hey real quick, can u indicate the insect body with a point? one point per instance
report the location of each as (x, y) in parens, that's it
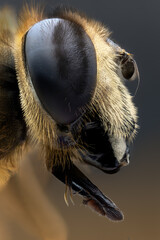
(61, 90)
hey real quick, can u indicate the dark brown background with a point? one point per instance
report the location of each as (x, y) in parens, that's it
(135, 189)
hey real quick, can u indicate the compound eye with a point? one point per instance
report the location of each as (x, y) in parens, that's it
(61, 62)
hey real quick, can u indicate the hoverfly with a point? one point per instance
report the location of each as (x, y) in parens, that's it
(62, 90)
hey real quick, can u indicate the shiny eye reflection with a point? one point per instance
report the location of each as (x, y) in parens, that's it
(63, 86)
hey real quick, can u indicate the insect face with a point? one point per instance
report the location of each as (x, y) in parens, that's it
(75, 103)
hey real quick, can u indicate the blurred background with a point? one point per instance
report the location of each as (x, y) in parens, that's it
(135, 25)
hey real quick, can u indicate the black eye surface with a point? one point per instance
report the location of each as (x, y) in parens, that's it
(61, 61)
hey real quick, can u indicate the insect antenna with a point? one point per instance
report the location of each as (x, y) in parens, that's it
(138, 79)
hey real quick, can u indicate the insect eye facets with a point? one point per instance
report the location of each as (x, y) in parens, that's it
(62, 66)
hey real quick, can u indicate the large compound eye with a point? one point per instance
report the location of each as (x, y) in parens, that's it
(61, 62)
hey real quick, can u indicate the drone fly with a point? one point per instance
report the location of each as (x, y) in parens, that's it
(62, 90)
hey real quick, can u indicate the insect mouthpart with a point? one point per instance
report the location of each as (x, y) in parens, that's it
(96, 148)
(99, 149)
(92, 196)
